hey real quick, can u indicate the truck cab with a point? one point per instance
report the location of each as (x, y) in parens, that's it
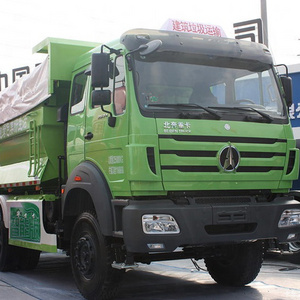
(168, 145)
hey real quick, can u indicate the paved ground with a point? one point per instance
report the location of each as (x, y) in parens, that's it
(52, 280)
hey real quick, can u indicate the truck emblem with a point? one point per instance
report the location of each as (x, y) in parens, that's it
(227, 126)
(229, 158)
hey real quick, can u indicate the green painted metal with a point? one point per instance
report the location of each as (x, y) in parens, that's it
(120, 152)
(39, 247)
(34, 149)
(33, 141)
(63, 55)
(31, 144)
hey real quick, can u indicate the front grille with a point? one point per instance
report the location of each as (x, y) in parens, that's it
(201, 154)
(216, 169)
(222, 139)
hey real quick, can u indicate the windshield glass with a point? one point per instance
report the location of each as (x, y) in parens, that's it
(171, 81)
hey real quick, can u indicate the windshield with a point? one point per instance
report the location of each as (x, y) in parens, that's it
(231, 89)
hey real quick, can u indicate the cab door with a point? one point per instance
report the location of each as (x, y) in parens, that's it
(105, 145)
(77, 119)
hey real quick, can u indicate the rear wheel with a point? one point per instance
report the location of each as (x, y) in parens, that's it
(91, 258)
(28, 258)
(8, 260)
(239, 265)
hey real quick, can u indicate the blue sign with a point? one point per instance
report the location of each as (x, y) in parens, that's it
(295, 108)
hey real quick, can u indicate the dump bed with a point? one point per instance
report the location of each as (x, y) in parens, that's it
(31, 139)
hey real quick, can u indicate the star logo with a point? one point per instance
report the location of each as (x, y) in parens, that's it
(229, 158)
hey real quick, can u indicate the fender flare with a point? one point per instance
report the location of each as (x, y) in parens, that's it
(94, 183)
(3, 206)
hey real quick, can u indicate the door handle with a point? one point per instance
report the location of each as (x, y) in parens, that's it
(89, 136)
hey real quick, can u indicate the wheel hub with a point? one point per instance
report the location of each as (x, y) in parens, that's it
(84, 256)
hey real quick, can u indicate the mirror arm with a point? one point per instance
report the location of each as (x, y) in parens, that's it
(111, 50)
(144, 49)
(286, 69)
(129, 61)
(128, 55)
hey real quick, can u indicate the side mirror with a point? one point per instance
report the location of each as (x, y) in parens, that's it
(101, 97)
(150, 47)
(288, 91)
(100, 70)
(144, 50)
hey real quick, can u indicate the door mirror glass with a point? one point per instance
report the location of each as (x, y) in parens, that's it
(100, 69)
(101, 97)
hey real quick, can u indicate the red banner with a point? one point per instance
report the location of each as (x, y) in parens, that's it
(193, 27)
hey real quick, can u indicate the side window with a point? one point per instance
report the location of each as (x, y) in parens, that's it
(78, 93)
(119, 94)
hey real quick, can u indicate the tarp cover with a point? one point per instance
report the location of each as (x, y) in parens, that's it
(25, 93)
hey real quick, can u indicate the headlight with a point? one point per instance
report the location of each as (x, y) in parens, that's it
(289, 218)
(159, 224)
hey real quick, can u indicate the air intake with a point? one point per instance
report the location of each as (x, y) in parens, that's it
(291, 163)
(151, 159)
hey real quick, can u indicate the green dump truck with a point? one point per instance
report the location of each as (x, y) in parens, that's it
(159, 146)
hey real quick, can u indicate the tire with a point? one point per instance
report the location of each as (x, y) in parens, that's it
(8, 254)
(239, 265)
(91, 258)
(28, 258)
(294, 247)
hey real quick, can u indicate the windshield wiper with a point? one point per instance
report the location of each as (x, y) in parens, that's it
(264, 115)
(176, 105)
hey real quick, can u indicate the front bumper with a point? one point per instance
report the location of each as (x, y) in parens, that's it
(207, 224)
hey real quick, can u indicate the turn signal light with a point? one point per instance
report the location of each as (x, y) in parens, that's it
(77, 178)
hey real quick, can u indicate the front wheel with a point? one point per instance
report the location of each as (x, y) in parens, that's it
(91, 258)
(239, 265)
(294, 247)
